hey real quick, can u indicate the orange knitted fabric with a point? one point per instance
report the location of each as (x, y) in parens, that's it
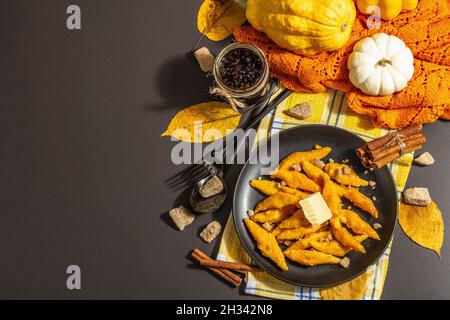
(426, 31)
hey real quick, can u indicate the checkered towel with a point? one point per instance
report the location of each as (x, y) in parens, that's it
(329, 108)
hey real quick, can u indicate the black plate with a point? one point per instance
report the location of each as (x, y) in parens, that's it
(344, 143)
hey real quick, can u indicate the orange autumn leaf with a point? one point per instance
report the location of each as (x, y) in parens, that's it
(423, 225)
(217, 18)
(204, 122)
(351, 290)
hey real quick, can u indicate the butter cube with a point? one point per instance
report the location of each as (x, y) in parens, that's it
(315, 209)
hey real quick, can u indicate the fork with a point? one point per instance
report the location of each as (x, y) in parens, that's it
(197, 172)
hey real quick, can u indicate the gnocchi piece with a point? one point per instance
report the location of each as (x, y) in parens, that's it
(277, 231)
(295, 221)
(343, 236)
(300, 194)
(314, 173)
(332, 195)
(267, 243)
(311, 257)
(337, 172)
(274, 215)
(298, 157)
(297, 180)
(305, 243)
(266, 187)
(361, 201)
(354, 222)
(277, 201)
(334, 247)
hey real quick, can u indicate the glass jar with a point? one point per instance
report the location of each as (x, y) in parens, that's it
(258, 89)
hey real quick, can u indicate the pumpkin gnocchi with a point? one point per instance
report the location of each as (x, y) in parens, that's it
(345, 175)
(297, 177)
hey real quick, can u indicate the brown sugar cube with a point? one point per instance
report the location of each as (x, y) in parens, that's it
(211, 187)
(346, 170)
(301, 111)
(205, 59)
(318, 163)
(268, 226)
(182, 217)
(377, 226)
(425, 159)
(345, 262)
(417, 196)
(211, 231)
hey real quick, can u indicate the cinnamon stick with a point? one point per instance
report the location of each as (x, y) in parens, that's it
(380, 142)
(361, 152)
(377, 153)
(230, 274)
(383, 147)
(384, 152)
(365, 162)
(382, 162)
(218, 272)
(229, 265)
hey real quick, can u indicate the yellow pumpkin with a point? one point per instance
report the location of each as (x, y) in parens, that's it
(386, 9)
(304, 26)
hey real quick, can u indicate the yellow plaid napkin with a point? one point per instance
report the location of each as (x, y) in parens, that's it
(329, 108)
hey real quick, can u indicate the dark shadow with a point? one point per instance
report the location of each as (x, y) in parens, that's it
(167, 220)
(181, 83)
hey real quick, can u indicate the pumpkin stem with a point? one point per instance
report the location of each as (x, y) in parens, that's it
(383, 62)
(344, 27)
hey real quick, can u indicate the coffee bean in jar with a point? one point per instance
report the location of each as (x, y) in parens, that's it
(240, 68)
(241, 74)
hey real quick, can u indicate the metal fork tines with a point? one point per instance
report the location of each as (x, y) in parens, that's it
(192, 174)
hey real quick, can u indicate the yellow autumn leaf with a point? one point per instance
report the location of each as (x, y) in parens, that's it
(204, 122)
(351, 290)
(217, 18)
(423, 225)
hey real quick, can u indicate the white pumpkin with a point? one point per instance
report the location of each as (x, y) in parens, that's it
(380, 65)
